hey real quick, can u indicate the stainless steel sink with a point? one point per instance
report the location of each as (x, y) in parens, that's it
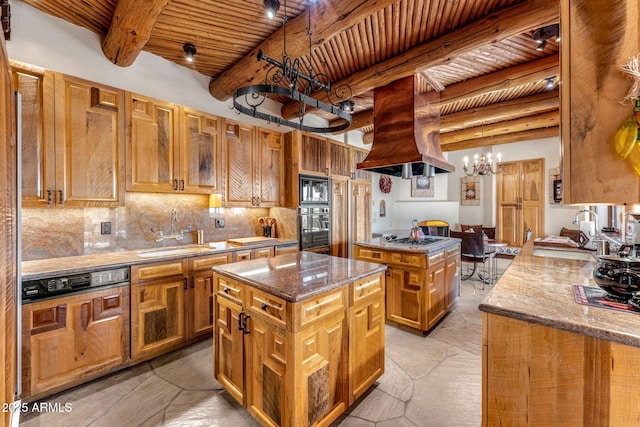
(563, 254)
(173, 251)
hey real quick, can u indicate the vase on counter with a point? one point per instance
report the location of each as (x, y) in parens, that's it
(266, 231)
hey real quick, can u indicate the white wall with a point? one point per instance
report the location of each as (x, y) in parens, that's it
(556, 215)
(42, 40)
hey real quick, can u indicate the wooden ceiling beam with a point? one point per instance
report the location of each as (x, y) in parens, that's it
(496, 26)
(507, 138)
(548, 119)
(330, 17)
(130, 30)
(521, 74)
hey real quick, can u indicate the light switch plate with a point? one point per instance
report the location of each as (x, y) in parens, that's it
(105, 228)
(219, 222)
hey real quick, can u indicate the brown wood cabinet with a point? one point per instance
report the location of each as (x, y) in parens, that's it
(537, 375)
(171, 148)
(340, 217)
(360, 207)
(73, 140)
(597, 37)
(253, 165)
(300, 363)
(357, 156)
(311, 154)
(171, 304)
(520, 200)
(420, 289)
(70, 340)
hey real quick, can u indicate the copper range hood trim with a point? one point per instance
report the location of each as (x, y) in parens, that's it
(397, 137)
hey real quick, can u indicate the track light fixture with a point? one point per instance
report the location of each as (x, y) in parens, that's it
(550, 82)
(271, 6)
(190, 51)
(542, 34)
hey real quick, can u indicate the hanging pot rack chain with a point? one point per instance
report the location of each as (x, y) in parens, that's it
(286, 79)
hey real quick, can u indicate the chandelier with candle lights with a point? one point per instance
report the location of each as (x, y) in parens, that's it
(482, 165)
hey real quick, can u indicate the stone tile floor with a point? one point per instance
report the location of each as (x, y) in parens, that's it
(430, 380)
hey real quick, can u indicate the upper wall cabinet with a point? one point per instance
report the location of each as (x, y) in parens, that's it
(597, 38)
(73, 140)
(357, 156)
(253, 163)
(171, 149)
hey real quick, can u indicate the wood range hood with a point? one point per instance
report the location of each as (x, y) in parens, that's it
(401, 143)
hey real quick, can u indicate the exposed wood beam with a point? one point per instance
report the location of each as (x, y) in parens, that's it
(522, 74)
(500, 111)
(507, 138)
(131, 27)
(497, 26)
(330, 17)
(548, 119)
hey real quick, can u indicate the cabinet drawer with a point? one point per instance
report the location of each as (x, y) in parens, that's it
(243, 255)
(403, 258)
(229, 289)
(154, 271)
(319, 307)
(363, 288)
(436, 258)
(267, 305)
(206, 262)
(263, 252)
(373, 255)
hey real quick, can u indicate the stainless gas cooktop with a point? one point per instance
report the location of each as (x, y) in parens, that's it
(425, 241)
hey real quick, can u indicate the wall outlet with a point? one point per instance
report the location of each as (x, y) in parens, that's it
(219, 222)
(105, 228)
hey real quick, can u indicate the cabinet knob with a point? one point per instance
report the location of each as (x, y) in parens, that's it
(61, 199)
(226, 290)
(264, 306)
(49, 197)
(175, 185)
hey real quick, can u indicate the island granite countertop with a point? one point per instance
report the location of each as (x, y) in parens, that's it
(382, 243)
(301, 275)
(540, 290)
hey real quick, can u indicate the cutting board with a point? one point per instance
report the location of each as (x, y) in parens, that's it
(248, 241)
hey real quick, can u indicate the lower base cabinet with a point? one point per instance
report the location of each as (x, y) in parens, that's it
(70, 340)
(298, 364)
(421, 288)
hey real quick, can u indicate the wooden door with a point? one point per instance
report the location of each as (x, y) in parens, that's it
(269, 171)
(199, 151)
(70, 338)
(90, 143)
(229, 347)
(520, 200)
(239, 163)
(157, 316)
(366, 335)
(8, 274)
(339, 218)
(405, 296)
(38, 139)
(360, 211)
(152, 152)
(436, 290)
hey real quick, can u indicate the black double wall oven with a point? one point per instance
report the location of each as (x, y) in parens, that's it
(314, 214)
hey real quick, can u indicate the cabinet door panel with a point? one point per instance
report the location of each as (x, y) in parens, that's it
(89, 143)
(339, 218)
(200, 139)
(270, 168)
(158, 314)
(452, 273)
(239, 158)
(201, 307)
(366, 344)
(313, 157)
(339, 156)
(405, 300)
(152, 153)
(436, 288)
(360, 211)
(229, 348)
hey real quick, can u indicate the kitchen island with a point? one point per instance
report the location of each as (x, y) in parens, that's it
(298, 338)
(548, 360)
(423, 280)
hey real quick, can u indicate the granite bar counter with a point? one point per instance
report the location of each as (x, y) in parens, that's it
(298, 338)
(548, 360)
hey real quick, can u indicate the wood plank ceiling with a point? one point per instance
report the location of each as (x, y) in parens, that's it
(479, 54)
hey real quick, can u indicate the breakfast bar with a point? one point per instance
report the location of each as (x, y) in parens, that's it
(549, 360)
(299, 337)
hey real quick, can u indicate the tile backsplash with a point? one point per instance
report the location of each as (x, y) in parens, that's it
(59, 232)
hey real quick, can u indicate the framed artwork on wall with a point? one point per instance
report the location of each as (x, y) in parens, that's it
(422, 186)
(470, 191)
